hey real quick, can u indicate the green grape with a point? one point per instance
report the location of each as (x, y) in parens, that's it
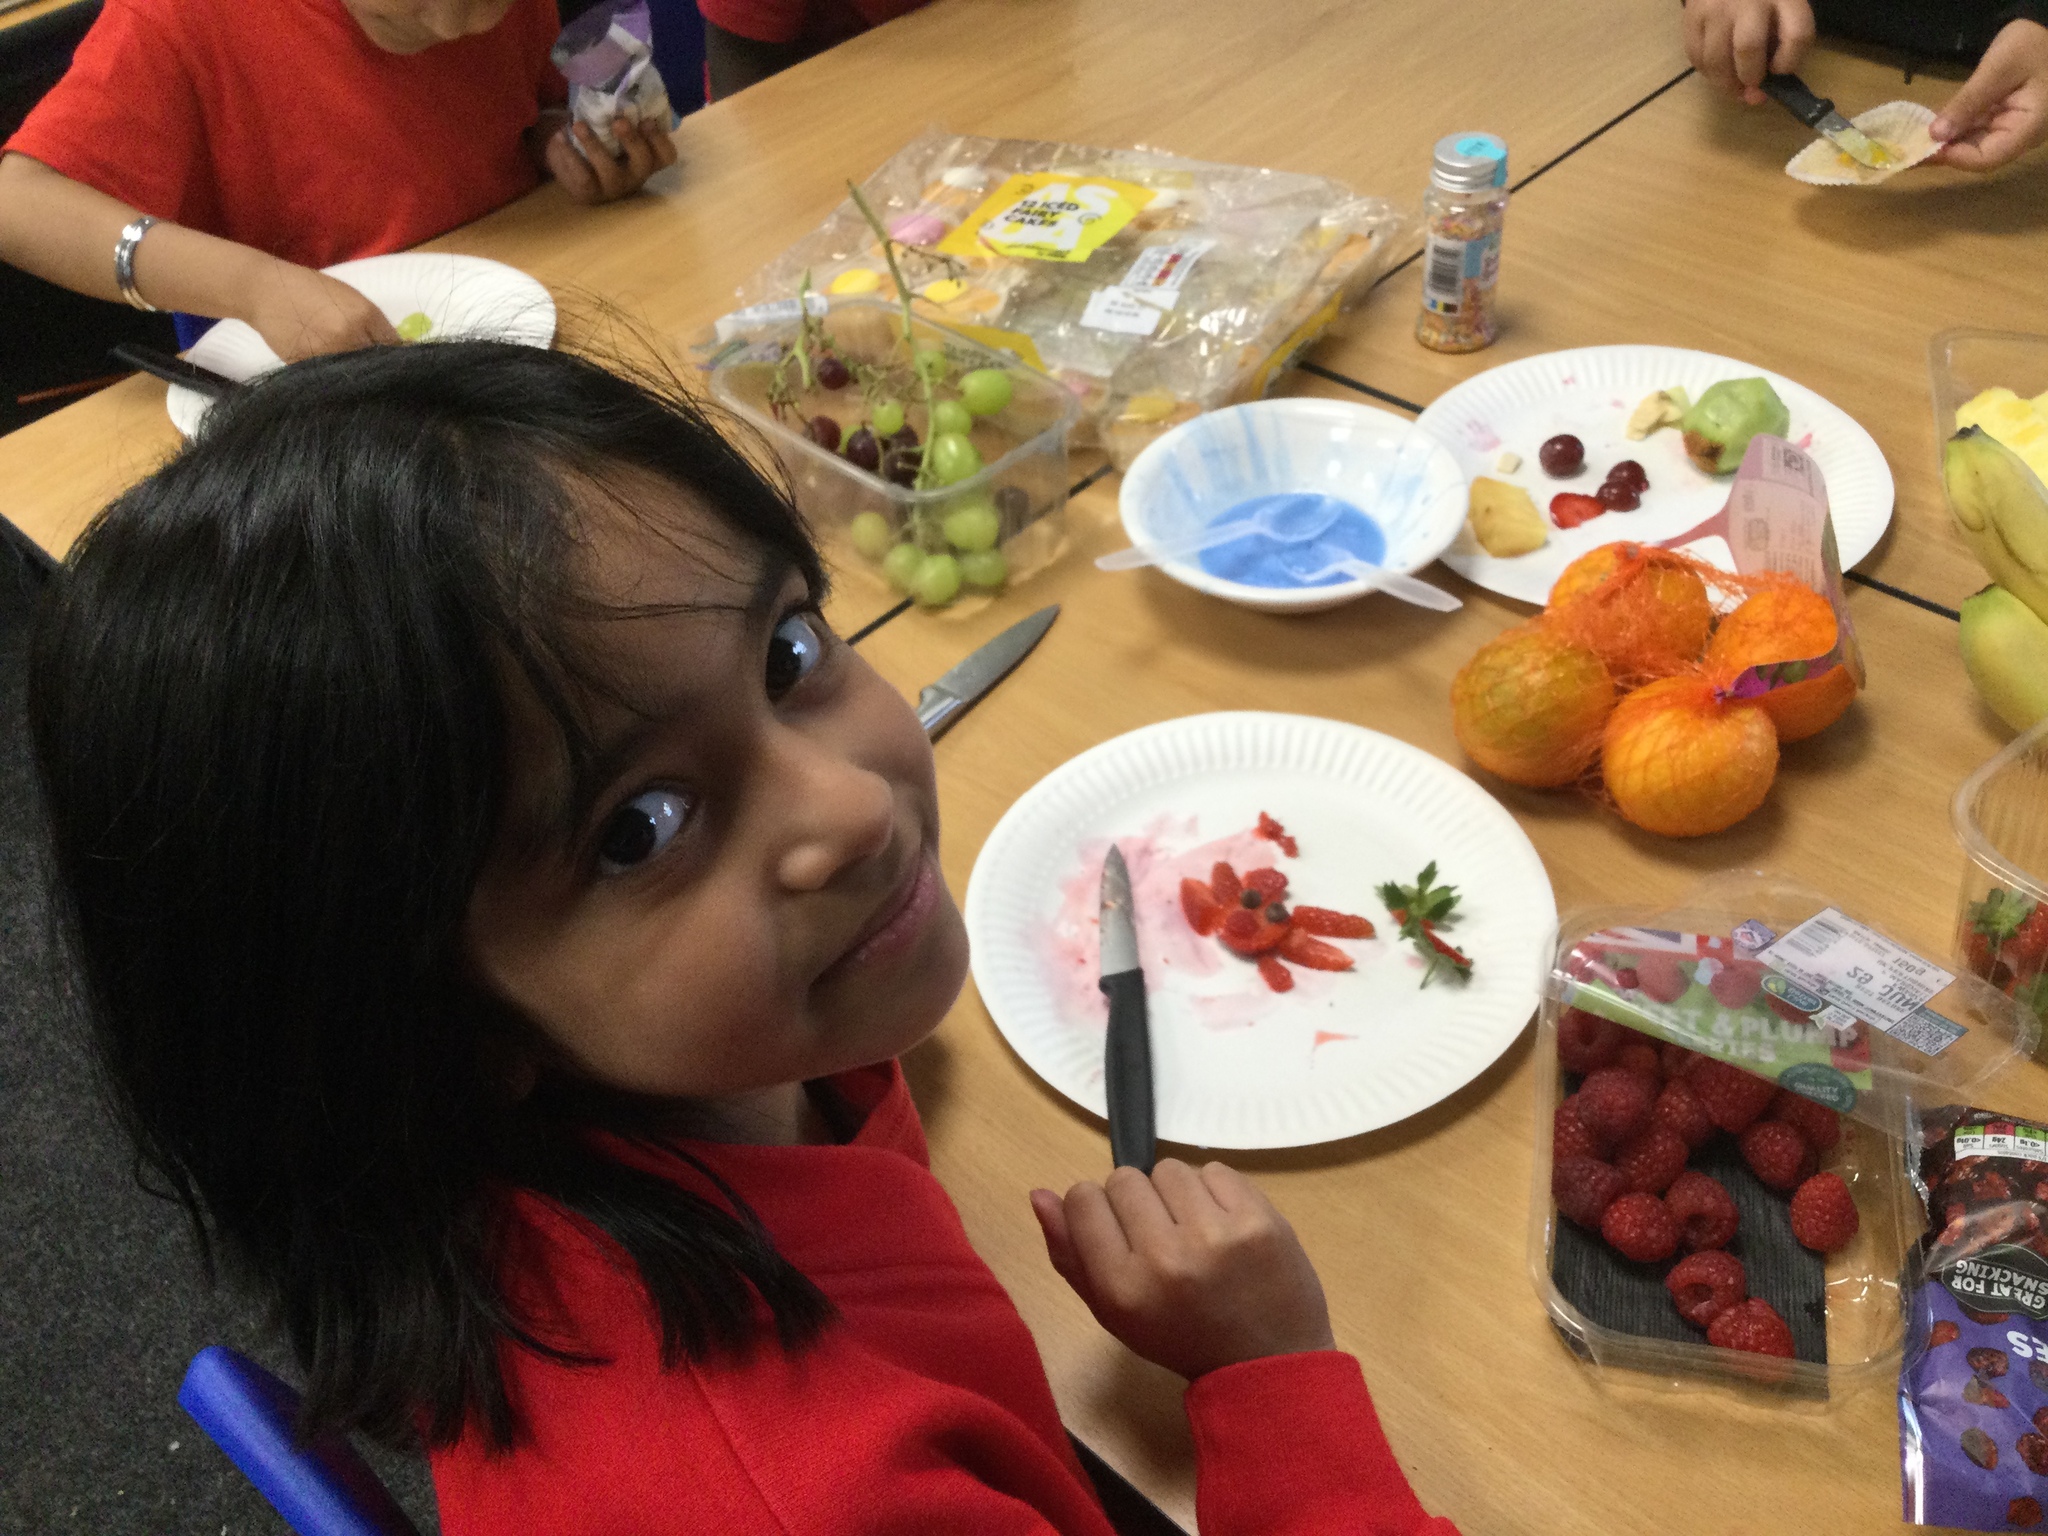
(985, 568)
(973, 527)
(951, 416)
(937, 581)
(886, 420)
(872, 535)
(902, 565)
(952, 458)
(985, 391)
(930, 364)
(416, 326)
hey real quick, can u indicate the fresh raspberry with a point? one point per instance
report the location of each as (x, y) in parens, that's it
(1640, 1057)
(1638, 1227)
(1332, 924)
(1246, 932)
(1821, 1126)
(1568, 1137)
(1703, 1285)
(1704, 1210)
(1823, 1214)
(1736, 983)
(1733, 1097)
(1313, 953)
(2023, 1512)
(1269, 883)
(1224, 884)
(1661, 977)
(1651, 1159)
(1585, 1041)
(1584, 1187)
(1199, 905)
(1614, 1104)
(1677, 1061)
(1752, 1325)
(1276, 975)
(1679, 1110)
(1777, 1154)
(1943, 1332)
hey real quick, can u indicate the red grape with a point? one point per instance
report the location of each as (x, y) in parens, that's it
(823, 431)
(833, 374)
(899, 465)
(863, 450)
(1562, 456)
(1629, 472)
(1616, 496)
(904, 438)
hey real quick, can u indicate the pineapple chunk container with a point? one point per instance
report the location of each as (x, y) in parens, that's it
(1151, 287)
(1763, 974)
(1996, 381)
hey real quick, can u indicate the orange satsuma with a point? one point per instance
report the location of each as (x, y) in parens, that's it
(1680, 760)
(1788, 624)
(1529, 706)
(1645, 611)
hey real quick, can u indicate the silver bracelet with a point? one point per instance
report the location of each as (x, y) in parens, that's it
(124, 260)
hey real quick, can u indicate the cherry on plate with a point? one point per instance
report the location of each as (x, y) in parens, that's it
(1629, 472)
(1562, 456)
(1616, 496)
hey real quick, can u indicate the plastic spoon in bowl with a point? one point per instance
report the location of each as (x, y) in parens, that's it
(1289, 518)
(1393, 583)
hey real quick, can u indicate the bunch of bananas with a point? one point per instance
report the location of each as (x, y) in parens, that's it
(1994, 469)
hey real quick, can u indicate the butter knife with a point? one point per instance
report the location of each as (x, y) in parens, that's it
(1127, 1055)
(173, 369)
(1819, 114)
(951, 696)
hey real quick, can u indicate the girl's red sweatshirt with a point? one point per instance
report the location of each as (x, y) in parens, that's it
(923, 1408)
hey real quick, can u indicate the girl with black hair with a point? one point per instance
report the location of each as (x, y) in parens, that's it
(501, 900)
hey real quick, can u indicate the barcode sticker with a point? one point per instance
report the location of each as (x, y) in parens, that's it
(1443, 274)
(1857, 968)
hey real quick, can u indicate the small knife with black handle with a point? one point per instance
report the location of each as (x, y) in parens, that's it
(1127, 1056)
(173, 369)
(1819, 114)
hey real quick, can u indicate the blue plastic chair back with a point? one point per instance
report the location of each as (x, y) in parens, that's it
(321, 1489)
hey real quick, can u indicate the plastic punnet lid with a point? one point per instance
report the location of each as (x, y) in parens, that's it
(1470, 162)
(1776, 979)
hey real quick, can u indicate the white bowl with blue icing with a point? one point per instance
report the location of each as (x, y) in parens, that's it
(1401, 495)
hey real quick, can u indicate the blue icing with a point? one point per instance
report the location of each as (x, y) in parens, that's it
(1260, 560)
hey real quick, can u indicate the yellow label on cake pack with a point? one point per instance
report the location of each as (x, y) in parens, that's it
(1048, 216)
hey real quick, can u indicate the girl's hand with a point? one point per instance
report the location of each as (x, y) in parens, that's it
(2001, 111)
(599, 176)
(303, 313)
(1735, 43)
(1192, 1270)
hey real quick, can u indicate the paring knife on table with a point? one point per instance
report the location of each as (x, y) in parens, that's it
(951, 696)
(173, 369)
(1819, 114)
(1127, 1055)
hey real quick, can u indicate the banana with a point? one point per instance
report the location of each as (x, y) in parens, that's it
(2002, 509)
(2005, 651)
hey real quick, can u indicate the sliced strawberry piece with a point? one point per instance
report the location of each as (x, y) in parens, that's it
(1569, 509)
(1269, 883)
(1277, 976)
(1247, 932)
(1313, 953)
(1198, 903)
(1332, 924)
(1273, 832)
(1224, 884)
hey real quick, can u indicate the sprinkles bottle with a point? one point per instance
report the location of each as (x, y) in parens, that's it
(1463, 211)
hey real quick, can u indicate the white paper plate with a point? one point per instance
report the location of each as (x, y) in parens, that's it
(1591, 392)
(1235, 1064)
(462, 295)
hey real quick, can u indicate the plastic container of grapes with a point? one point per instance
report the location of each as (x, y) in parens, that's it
(2001, 819)
(1860, 1285)
(1023, 446)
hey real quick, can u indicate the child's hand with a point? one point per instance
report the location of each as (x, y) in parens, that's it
(2001, 111)
(599, 176)
(1192, 1270)
(1735, 43)
(303, 313)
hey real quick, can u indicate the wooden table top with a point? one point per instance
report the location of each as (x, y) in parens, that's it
(1672, 225)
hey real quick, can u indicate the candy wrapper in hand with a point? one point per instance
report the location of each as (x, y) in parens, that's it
(1973, 1388)
(607, 56)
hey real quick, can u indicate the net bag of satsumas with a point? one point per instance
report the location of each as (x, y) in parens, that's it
(1660, 682)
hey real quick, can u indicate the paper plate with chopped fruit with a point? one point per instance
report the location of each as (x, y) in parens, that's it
(426, 295)
(1591, 393)
(1256, 1042)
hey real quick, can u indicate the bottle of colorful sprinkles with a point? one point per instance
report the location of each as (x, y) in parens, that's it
(1463, 211)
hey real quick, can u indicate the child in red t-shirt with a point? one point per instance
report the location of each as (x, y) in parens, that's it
(746, 41)
(267, 138)
(502, 900)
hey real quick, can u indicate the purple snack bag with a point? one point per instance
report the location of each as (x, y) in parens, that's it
(1973, 1386)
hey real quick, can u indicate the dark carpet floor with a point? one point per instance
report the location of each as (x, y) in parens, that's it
(102, 1302)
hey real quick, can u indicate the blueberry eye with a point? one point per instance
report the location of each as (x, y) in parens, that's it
(797, 645)
(640, 829)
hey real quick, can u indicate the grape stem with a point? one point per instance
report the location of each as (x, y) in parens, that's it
(924, 457)
(803, 326)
